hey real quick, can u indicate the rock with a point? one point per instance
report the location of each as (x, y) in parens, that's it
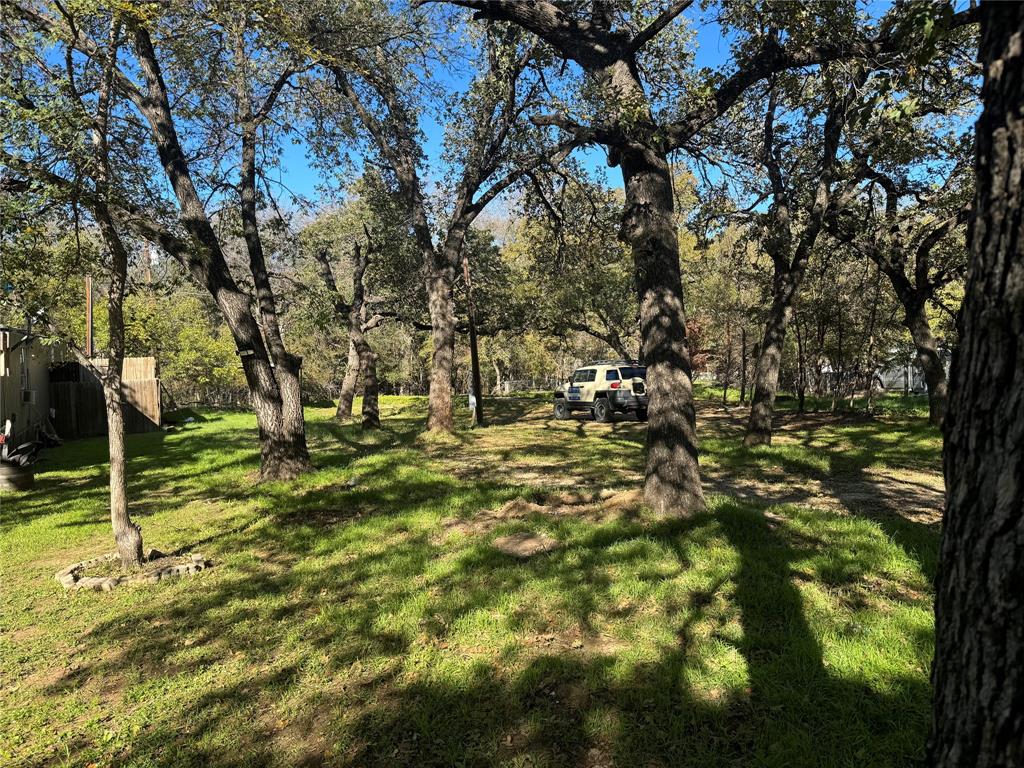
(154, 554)
(526, 544)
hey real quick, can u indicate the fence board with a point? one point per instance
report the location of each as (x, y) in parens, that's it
(79, 410)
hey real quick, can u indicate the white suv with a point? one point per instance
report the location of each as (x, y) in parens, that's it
(604, 387)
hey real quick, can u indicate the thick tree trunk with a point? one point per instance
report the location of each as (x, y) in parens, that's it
(931, 363)
(978, 674)
(766, 372)
(368, 367)
(440, 417)
(672, 477)
(348, 384)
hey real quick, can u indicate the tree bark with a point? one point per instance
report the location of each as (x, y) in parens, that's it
(978, 673)
(789, 259)
(348, 383)
(368, 366)
(127, 535)
(441, 307)
(766, 371)
(672, 477)
(928, 358)
(367, 357)
(287, 367)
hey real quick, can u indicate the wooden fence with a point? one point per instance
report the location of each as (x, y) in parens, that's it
(76, 398)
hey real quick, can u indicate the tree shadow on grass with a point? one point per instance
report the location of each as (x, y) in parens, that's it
(306, 649)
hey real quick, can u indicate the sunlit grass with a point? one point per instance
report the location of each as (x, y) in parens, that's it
(344, 623)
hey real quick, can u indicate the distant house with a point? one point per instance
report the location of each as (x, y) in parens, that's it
(907, 375)
(47, 391)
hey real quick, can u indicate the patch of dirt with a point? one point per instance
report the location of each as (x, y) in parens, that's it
(574, 640)
(593, 506)
(525, 545)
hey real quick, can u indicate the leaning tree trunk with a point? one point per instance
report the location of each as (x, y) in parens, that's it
(287, 366)
(281, 457)
(672, 477)
(978, 674)
(127, 535)
(930, 362)
(348, 384)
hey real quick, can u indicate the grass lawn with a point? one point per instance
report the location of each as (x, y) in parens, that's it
(360, 616)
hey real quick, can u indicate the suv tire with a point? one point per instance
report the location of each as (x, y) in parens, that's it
(602, 410)
(641, 414)
(561, 409)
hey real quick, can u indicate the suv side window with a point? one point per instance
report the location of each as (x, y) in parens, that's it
(584, 376)
(611, 375)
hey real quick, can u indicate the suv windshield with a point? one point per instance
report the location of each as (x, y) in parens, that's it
(633, 372)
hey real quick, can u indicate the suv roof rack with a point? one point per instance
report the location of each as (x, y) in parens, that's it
(612, 362)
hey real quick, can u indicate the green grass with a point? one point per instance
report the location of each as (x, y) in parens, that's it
(343, 626)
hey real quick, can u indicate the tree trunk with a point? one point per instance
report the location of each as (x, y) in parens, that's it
(497, 376)
(978, 674)
(368, 367)
(474, 351)
(728, 362)
(281, 457)
(440, 417)
(743, 365)
(928, 358)
(127, 535)
(287, 367)
(348, 384)
(766, 372)
(672, 477)
(801, 376)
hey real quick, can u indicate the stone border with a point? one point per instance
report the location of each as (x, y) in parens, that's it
(72, 578)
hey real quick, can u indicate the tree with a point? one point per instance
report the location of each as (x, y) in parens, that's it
(283, 451)
(978, 672)
(494, 149)
(910, 132)
(801, 191)
(622, 52)
(92, 118)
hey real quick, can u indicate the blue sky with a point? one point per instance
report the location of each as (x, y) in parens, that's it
(299, 176)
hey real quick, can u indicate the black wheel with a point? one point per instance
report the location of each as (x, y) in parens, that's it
(602, 410)
(641, 414)
(561, 409)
